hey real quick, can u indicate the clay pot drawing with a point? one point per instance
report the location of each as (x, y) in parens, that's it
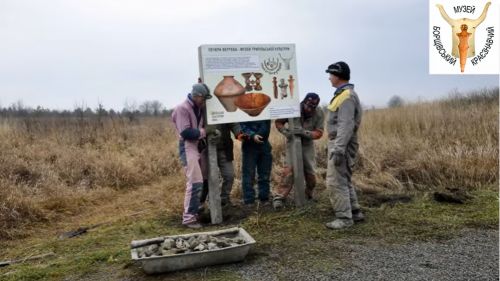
(227, 91)
(253, 103)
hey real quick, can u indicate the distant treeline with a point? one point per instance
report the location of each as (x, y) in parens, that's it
(157, 109)
(130, 110)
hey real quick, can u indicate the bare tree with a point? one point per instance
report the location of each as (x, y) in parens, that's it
(153, 107)
(130, 110)
(146, 108)
(100, 110)
(157, 107)
(18, 109)
(129, 106)
(395, 101)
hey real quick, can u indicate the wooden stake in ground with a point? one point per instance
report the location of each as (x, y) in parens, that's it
(298, 165)
(85, 229)
(214, 200)
(6, 263)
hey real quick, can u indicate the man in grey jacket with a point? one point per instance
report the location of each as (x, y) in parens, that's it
(225, 157)
(344, 119)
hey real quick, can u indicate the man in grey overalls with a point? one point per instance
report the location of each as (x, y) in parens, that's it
(344, 119)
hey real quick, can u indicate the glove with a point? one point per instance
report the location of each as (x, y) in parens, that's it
(202, 145)
(214, 136)
(337, 157)
(316, 134)
(210, 130)
(216, 133)
(242, 137)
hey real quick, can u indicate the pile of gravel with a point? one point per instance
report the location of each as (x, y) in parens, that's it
(471, 256)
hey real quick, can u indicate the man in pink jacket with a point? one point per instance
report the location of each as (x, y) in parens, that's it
(189, 123)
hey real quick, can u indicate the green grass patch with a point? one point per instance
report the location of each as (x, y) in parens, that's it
(291, 238)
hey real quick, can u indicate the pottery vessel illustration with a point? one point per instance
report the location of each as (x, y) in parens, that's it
(253, 103)
(257, 86)
(252, 84)
(227, 91)
(248, 82)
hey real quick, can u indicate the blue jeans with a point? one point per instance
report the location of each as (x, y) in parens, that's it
(256, 157)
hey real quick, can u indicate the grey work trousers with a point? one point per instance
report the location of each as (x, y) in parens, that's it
(341, 191)
(227, 174)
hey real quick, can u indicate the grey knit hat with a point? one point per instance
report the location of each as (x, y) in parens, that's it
(201, 89)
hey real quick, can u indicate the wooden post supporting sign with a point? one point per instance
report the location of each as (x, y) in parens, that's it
(298, 165)
(214, 200)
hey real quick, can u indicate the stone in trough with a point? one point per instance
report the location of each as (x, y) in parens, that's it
(168, 244)
(153, 248)
(212, 246)
(201, 247)
(204, 238)
(181, 244)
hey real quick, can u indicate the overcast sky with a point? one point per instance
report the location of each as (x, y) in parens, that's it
(62, 53)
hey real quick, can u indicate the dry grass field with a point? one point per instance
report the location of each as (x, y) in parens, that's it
(55, 168)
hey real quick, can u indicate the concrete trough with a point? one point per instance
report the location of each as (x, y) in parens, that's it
(161, 264)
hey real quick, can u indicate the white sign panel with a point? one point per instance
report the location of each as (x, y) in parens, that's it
(250, 82)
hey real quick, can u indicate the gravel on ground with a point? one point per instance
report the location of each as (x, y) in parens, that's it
(473, 255)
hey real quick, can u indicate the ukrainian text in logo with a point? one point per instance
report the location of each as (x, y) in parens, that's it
(463, 37)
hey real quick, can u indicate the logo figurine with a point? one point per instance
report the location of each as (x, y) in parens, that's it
(463, 31)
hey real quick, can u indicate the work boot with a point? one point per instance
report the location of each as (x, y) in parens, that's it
(224, 202)
(264, 204)
(357, 216)
(193, 225)
(339, 224)
(249, 207)
(278, 203)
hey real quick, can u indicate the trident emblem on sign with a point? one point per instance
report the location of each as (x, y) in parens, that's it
(271, 65)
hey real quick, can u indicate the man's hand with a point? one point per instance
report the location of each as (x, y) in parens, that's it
(302, 132)
(286, 132)
(298, 131)
(214, 136)
(258, 139)
(337, 157)
(202, 145)
(242, 137)
(211, 130)
(216, 133)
